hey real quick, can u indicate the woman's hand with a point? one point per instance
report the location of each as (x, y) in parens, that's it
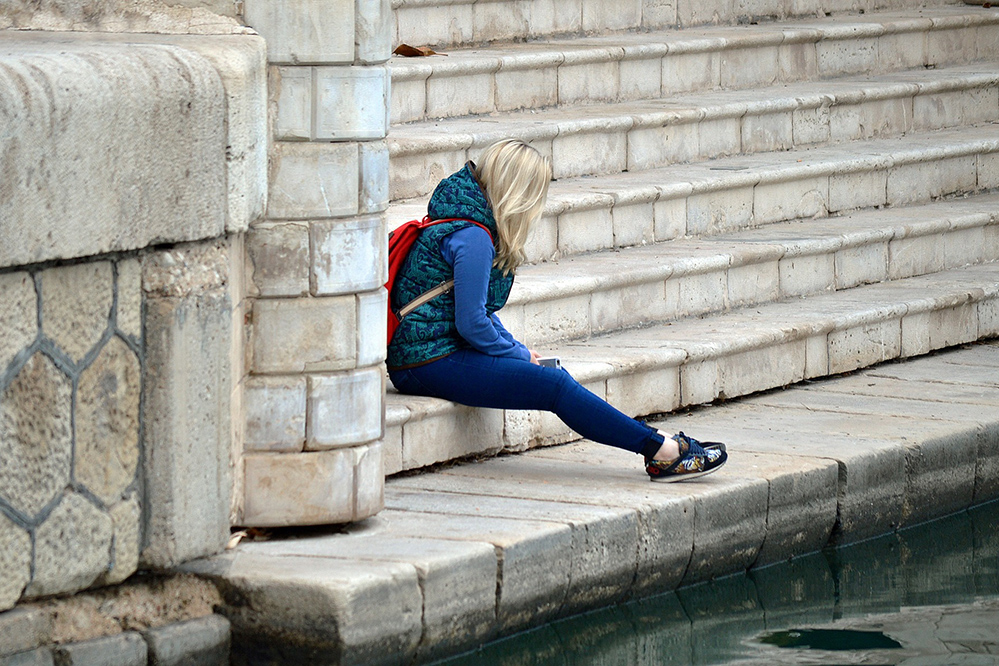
(534, 357)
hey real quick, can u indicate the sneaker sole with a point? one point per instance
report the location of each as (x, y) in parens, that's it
(673, 478)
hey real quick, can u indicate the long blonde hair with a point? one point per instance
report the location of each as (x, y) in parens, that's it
(515, 178)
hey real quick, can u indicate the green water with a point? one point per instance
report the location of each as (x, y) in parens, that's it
(838, 640)
(895, 583)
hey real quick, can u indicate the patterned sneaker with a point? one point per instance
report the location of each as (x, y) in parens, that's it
(695, 460)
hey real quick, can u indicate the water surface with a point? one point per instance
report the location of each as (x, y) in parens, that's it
(925, 596)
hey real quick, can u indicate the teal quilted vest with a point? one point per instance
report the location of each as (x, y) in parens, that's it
(429, 332)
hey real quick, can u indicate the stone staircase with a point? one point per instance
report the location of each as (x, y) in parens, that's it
(736, 207)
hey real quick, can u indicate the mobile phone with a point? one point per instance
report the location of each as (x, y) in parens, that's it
(550, 361)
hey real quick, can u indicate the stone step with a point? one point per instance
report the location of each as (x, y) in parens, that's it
(629, 67)
(637, 136)
(466, 22)
(466, 553)
(730, 194)
(602, 292)
(661, 368)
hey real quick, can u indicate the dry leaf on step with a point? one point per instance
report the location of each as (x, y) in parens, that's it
(415, 51)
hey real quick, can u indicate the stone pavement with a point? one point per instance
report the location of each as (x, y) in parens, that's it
(469, 552)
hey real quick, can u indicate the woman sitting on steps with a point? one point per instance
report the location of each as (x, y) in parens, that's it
(454, 346)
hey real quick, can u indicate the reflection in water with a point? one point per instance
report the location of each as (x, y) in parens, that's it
(947, 562)
(831, 639)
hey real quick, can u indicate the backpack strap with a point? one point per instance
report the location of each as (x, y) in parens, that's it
(427, 222)
(447, 285)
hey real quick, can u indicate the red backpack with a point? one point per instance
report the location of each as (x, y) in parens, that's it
(399, 244)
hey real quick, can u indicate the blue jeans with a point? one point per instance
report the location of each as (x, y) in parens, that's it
(475, 379)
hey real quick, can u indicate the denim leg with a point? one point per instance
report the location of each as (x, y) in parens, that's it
(471, 378)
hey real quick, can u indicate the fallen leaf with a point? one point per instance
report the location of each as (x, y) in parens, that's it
(235, 539)
(415, 51)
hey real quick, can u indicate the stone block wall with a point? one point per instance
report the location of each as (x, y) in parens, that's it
(316, 265)
(70, 389)
(191, 274)
(114, 417)
(132, 166)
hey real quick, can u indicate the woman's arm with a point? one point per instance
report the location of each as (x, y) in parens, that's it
(470, 252)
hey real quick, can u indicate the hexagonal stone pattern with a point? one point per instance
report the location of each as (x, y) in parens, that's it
(35, 436)
(107, 422)
(18, 315)
(72, 547)
(126, 516)
(76, 305)
(15, 562)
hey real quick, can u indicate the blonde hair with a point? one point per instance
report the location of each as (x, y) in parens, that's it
(515, 178)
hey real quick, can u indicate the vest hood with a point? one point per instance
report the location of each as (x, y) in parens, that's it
(461, 195)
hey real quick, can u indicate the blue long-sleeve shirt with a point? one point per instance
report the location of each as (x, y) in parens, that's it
(470, 253)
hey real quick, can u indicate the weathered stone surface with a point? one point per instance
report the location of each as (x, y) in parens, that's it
(303, 32)
(808, 467)
(374, 31)
(871, 383)
(39, 657)
(239, 59)
(170, 17)
(351, 103)
(369, 609)
(241, 64)
(666, 522)
(369, 480)
(940, 464)
(107, 422)
(374, 182)
(201, 642)
(187, 388)
(941, 370)
(72, 547)
(801, 506)
(729, 527)
(18, 315)
(76, 306)
(432, 438)
(35, 444)
(23, 629)
(304, 334)
(146, 601)
(275, 413)
(348, 256)
(872, 477)
(141, 137)
(279, 259)
(312, 488)
(457, 578)
(313, 180)
(864, 345)
(129, 290)
(125, 649)
(345, 409)
(529, 589)
(192, 269)
(371, 327)
(608, 552)
(15, 572)
(291, 90)
(126, 517)
(524, 596)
